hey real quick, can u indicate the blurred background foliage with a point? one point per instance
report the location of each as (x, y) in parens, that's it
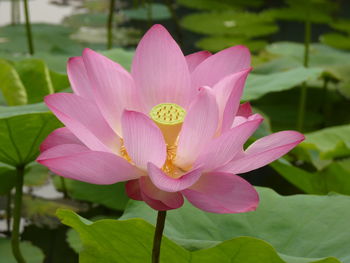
(296, 45)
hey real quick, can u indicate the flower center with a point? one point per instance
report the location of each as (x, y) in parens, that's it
(169, 118)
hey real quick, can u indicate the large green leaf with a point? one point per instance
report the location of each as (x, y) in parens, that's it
(122, 56)
(219, 5)
(316, 11)
(154, 11)
(333, 178)
(96, 5)
(131, 241)
(274, 64)
(335, 62)
(342, 72)
(36, 78)
(230, 23)
(11, 85)
(74, 241)
(36, 175)
(22, 129)
(299, 14)
(46, 37)
(86, 20)
(217, 43)
(259, 85)
(7, 178)
(97, 36)
(42, 212)
(336, 40)
(329, 143)
(341, 25)
(30, 253)
(112, 196)
(119, 241)
(302, 226)
(320, 55)
(57, 62)
(59, 81)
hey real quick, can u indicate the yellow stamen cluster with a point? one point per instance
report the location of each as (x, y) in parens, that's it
(124, 153)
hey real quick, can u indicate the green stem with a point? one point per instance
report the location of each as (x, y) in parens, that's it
(8, 212)
(302, 105)
(325, 106)
(64, 187)
(157, 240)
(307, 42)
(28, 28)
(15, 12)
(303, 92)
(110, 24)
(17, 216)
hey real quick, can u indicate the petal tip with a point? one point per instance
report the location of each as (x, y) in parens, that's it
(256, 117)
(127, 112)
(88, 52)
(72, 59)
(205, 53)
(300, 137)
(250, 69)
(41, 149)
(48, 98)
(252, 208)
(158, 27)
(204, 89)
(41, 159)
(242, 47)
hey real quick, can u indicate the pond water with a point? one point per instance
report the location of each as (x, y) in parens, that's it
(40, 11)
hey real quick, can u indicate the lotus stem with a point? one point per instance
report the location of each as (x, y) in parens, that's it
(15, 239)
(28, 28)
(303, 92)
(8, 212)
(158, 236)
(110, 24)
(325, 106)
(15, 13)
(64, 187)
(307, 42)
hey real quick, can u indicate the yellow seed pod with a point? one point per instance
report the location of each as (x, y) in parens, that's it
(169, 118)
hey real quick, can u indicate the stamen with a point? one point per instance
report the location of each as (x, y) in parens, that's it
(124, 153)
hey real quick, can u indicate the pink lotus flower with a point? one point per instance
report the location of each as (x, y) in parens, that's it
(173, 127)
